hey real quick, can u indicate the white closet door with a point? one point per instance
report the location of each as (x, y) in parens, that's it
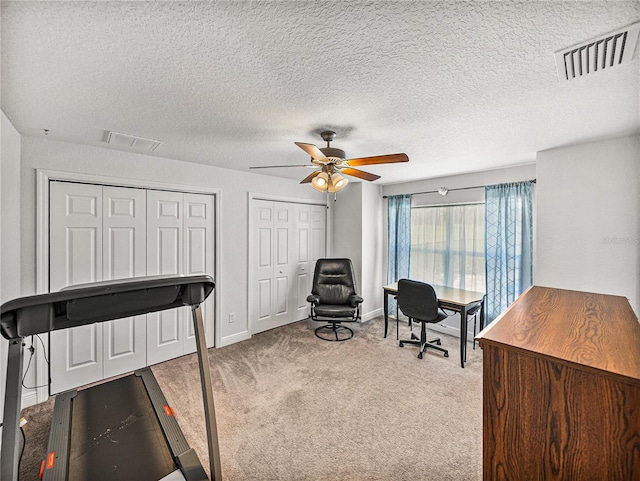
(199, 255)
(124, 256)
(304, 271)
(286, 240)
(75, 240)
(262, 291)
(164, 257)
(311, 246)
(284, 262)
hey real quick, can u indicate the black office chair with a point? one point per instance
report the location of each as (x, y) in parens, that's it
(418, 301)
(333, 298)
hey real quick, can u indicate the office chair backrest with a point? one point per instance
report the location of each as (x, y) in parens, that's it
(417, 300)
(333, 281)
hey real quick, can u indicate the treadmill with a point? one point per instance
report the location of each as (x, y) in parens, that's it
(119, 429)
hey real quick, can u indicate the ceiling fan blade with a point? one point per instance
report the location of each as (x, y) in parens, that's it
(378, 159)
(359, 173)
(279, 166)
(310, 177)
(312, 150)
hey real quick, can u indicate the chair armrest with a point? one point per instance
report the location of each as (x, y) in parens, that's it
(354, 300)
(313, 299)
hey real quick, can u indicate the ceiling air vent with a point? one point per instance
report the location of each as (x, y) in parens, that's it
(597, 54)
(130, 141)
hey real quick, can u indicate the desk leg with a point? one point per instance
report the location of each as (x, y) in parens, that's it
(463, 336)
(386, 312)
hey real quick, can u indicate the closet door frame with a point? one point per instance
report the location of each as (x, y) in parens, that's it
(43, 177)
(251, 276)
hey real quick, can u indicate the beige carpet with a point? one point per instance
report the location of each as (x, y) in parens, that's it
(293, 407)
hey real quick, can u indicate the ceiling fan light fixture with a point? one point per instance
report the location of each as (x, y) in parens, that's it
(337, 182)
(320, 182)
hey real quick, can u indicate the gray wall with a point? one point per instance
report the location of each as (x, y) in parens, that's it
(588, 218)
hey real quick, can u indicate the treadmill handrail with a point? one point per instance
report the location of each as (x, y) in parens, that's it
(100, 301)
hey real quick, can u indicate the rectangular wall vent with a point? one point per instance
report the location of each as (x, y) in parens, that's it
(597, 54)
(131, 141)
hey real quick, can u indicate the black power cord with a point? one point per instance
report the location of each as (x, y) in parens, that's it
(24, 443)
(32, 350)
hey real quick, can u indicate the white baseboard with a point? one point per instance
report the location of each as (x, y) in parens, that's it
(233, 338)
(29, 399)
(371, 315)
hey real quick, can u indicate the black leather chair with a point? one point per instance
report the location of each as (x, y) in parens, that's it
(418, 301)
(333, 298)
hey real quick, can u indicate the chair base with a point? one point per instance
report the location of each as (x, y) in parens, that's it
(424, 345)
(335, 332)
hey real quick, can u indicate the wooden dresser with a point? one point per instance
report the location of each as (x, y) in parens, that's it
(561, 389)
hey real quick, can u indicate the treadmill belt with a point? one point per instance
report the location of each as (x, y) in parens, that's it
(115, 434)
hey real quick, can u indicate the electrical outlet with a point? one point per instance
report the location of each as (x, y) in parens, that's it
(232, 317)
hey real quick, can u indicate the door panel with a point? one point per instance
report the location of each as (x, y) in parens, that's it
(284, 265)
(303, 272)
(75, 240)
(262, 292)
(199, 257)
(164, 257)
(124, 222)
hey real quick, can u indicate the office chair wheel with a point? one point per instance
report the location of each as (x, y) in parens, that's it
(420, 355)
(446, 354)
(401, 344)
(438, 342)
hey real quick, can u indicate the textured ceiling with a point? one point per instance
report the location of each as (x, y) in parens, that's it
(458, 86)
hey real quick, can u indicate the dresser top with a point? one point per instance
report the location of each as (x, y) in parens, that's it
(587, 330)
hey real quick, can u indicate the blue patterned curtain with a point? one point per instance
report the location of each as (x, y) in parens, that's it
(399, 239)
(508, 244)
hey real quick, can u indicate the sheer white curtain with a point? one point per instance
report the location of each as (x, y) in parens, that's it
(447, 245)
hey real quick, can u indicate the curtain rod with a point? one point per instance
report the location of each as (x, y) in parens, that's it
(533, 181)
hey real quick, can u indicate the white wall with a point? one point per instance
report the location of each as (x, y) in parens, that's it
(357, 234)
(588, 218)
(10, 208)
(346, 214)
(9, 228)
(372, 241)
(231, 286)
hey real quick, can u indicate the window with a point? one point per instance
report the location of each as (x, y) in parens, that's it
(447, 245)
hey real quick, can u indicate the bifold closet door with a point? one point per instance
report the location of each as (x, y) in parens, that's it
(199, 254)
(101, 233)
(180, 241)
(95, 233)
(124, 245)
(274, 268)
(310, 228)
(286, 241)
